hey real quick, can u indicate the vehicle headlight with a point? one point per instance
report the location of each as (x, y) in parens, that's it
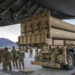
(60, 58)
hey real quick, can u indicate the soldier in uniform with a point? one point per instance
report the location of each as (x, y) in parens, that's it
(1, 51)
(14, 57)
(6, 60)
(21, 58)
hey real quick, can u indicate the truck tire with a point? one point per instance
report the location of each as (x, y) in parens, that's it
(70, 60)
(45, 66)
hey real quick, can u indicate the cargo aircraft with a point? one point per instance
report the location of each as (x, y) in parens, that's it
(13, 11)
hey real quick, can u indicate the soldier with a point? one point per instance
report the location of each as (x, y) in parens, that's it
(14, 57)
(21, 58)
(31, 51)
(6, 60)
(1, 51)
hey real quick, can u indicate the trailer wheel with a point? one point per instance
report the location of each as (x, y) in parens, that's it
(70, 60)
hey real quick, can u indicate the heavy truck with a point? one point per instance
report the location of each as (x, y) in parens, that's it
(53, 37)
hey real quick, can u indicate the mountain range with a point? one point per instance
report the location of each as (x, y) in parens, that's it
(7, 43)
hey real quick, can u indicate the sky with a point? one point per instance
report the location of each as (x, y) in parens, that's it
(72, 21)
(10, 32)
(13, 31)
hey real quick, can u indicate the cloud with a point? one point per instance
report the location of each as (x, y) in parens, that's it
(10, 32)
(71, 21)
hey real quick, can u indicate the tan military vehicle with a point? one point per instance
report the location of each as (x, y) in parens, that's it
(54, 38)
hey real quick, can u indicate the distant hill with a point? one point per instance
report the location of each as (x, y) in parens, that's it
(7, 43)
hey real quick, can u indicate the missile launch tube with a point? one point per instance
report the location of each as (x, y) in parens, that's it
(61, 34)
(56, 23)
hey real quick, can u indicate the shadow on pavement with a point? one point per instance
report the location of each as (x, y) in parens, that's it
(12, 73)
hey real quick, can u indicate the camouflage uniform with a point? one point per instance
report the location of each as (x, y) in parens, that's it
(14, 58)
(21, 59)
(1, 52)
(6, 60)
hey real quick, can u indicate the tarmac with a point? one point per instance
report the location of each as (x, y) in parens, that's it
(38, 70)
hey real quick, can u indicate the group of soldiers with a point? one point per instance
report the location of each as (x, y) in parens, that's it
(15, 57)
